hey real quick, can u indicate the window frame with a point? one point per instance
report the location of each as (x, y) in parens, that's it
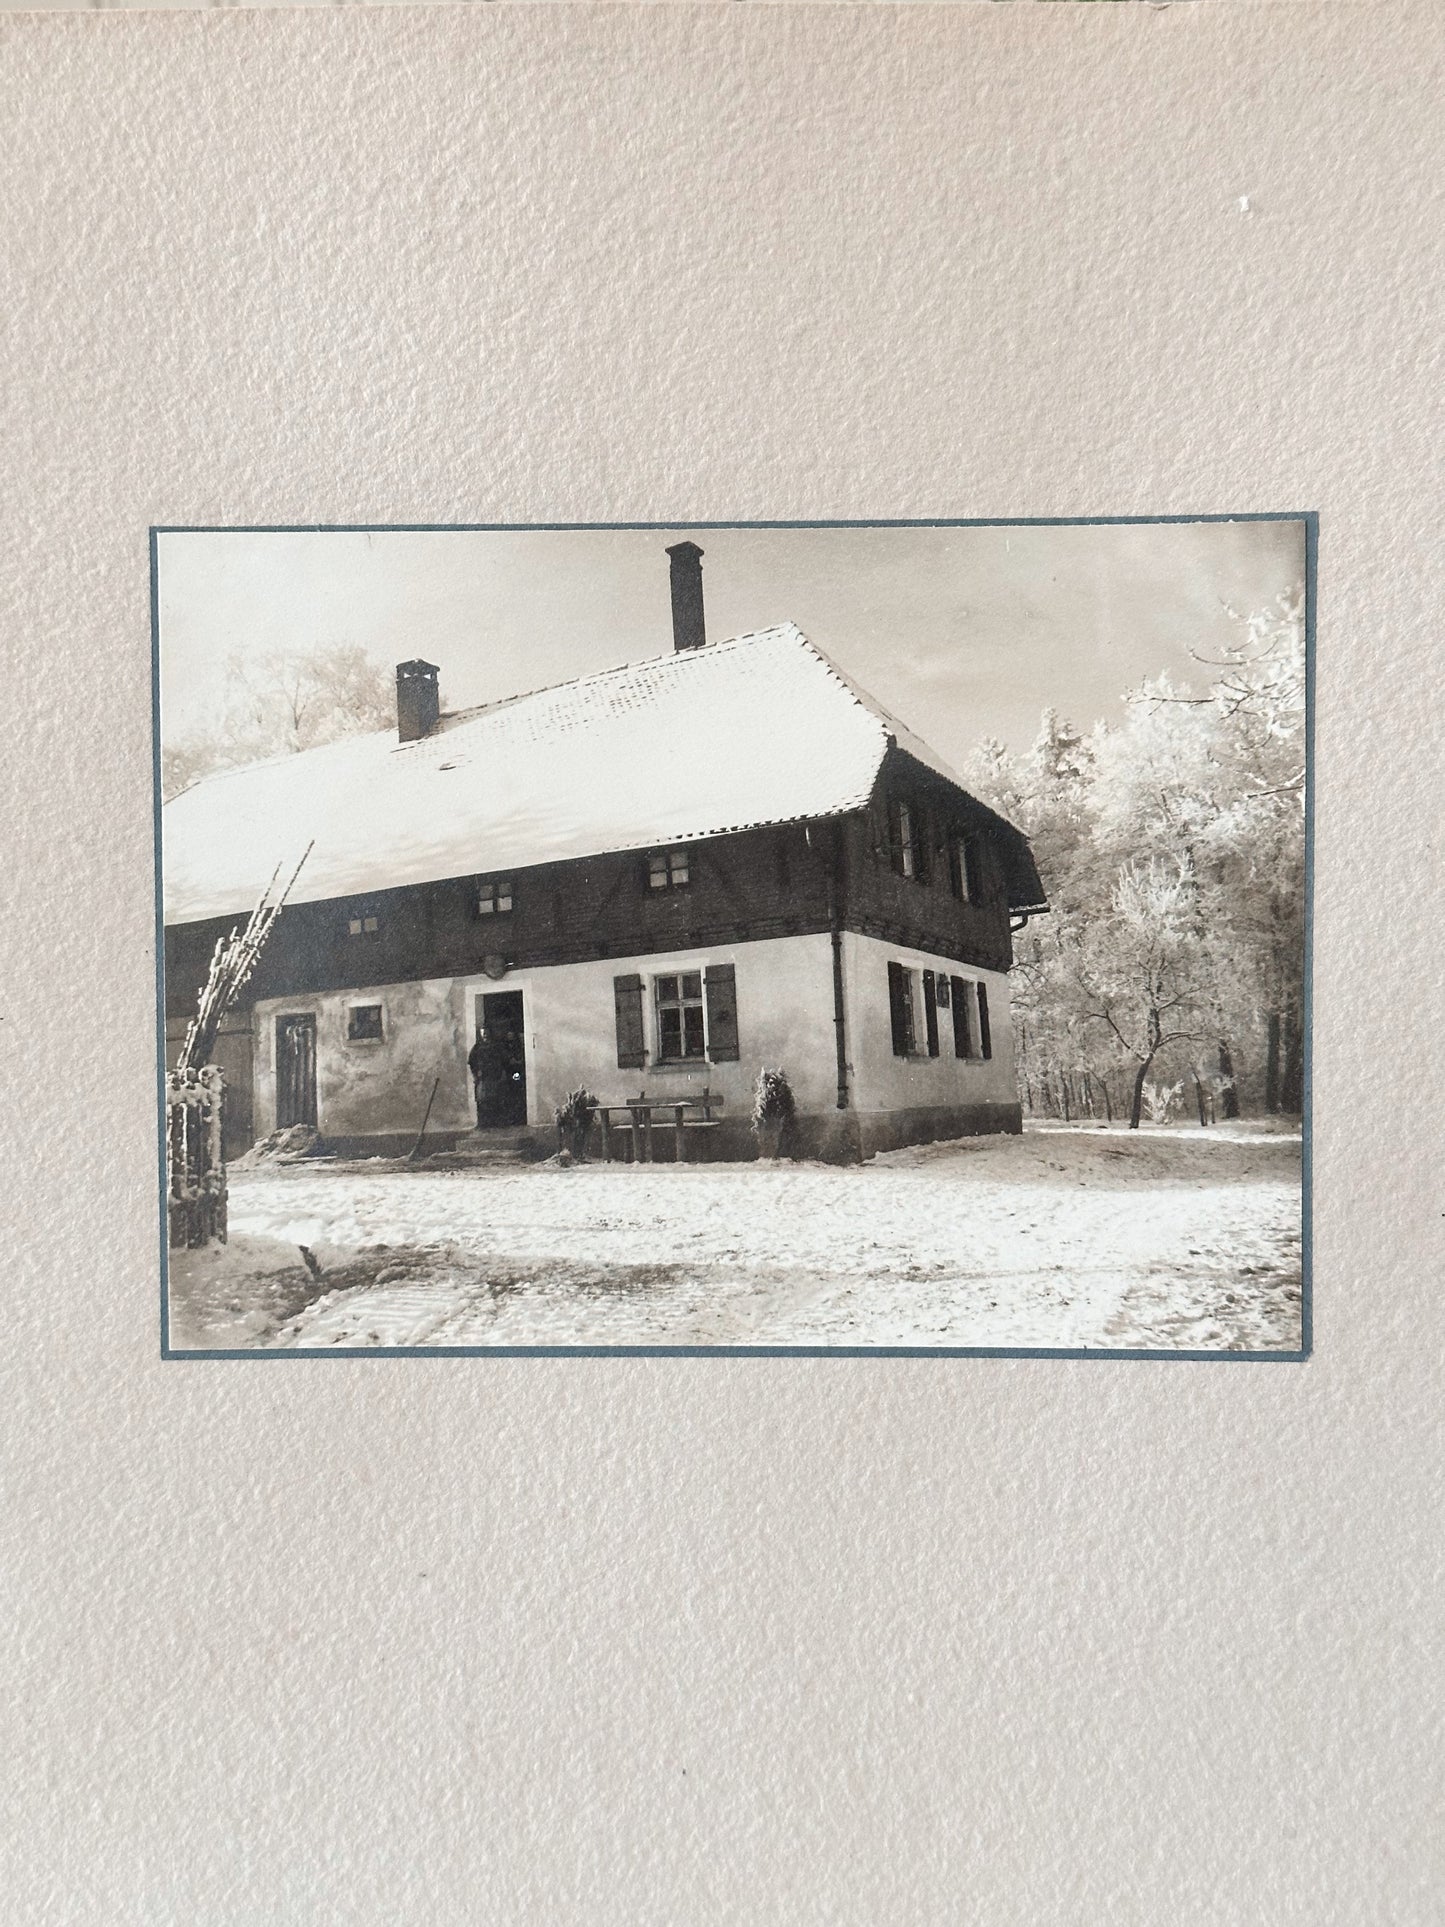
(682, 1003)
(672, 859)
(500, 887)
(363, 922)
(354, 1004)
(904, 840)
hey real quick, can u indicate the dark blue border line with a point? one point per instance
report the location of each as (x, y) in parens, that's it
(1311, 522)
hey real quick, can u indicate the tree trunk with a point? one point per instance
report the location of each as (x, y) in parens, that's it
(1229, 1093)
(1199, 1099)
(1137, 1106)
(1064, 1094)
(1271, 1066)
(1108, 1106)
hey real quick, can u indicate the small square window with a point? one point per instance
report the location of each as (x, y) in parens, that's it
(669, 870)
(363, 1023)
(494, 897)
(362, 924)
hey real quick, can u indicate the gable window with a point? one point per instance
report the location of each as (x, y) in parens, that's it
(903, 838)
(494, 897)
(681, 1026)
(363, 923)
(363, 1024)
(965, 868)
(668, 870)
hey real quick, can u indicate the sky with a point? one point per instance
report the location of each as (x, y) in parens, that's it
(963, 633)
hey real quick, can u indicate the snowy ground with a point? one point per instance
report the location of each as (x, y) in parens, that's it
(1072, 1237)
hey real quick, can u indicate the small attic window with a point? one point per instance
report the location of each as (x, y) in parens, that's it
(668, 870)
(363, 923)
(494, 897)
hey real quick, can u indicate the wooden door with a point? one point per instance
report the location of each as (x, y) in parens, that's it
(503, 1098)
(295, 1071)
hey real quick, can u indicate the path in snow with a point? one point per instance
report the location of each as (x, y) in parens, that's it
(1178, 1239)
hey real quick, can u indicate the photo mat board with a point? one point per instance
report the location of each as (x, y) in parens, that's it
(880, 937)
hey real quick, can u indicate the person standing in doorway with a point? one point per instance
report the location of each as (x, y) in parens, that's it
(487, 1062)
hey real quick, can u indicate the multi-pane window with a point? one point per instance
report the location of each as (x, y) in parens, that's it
(961, 996)
(681, 1026)
(930, 1012)
(494, 896)
(668, 870)
(965, 868)
(363, 1023)
(972, 1032)
(362, 923)
(903, 838)
(900, 1010)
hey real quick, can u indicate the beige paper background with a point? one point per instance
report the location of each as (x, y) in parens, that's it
(687, 1640)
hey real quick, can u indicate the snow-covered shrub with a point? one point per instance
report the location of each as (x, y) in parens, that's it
(574, 1117)
(773, 1110)
(1159, 1101)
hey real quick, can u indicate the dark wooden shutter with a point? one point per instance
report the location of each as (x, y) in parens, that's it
(930, 1012)
(631, 1049)
(985, 1036)
(719, 985)
(959, 1000)
(898, 1008)
(974, 870)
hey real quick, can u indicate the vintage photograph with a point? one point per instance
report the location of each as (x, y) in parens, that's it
(821, 938)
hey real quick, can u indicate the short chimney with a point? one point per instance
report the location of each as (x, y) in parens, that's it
(687, 631)
(418, 700)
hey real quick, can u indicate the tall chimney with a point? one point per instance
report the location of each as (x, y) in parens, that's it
(687, 631)
(418, 700)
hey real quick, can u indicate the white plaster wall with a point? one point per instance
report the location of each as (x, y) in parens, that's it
(785, 1018)
(380, 1088)
(883, 1082)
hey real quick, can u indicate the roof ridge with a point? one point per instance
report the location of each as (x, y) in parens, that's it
(707, 649)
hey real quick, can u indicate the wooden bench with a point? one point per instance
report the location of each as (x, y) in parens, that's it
(631, 1123)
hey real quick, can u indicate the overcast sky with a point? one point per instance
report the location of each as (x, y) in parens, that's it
(961, 632)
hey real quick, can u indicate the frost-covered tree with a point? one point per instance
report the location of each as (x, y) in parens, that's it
(278, 702)
(1181, 827)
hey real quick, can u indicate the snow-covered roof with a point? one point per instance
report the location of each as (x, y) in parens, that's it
(759, 729)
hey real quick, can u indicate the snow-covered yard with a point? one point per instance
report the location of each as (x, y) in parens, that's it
(1082, 1237)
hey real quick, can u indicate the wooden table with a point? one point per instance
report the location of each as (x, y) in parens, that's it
(636, 1116)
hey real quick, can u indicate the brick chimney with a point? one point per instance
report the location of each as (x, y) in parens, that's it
(418, 700)
(687, 630)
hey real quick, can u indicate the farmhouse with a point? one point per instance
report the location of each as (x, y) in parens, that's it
(652, 882)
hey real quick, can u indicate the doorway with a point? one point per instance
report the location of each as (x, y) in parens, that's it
(295, 1071)
(502, 1082)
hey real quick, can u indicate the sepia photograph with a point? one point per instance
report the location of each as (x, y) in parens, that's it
(820, 938)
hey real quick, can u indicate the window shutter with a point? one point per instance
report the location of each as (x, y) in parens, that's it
(985, 1036)
(719, 985)
(898, 1008)
(959, 1001)
(930, 1012)
(627, 995)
